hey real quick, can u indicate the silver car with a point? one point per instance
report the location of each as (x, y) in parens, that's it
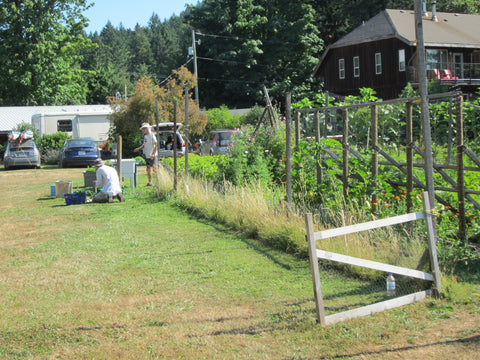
(21, 154)
(165, 137)
(219, 142)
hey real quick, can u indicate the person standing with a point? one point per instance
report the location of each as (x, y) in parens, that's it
(107, 179)
(149, 150)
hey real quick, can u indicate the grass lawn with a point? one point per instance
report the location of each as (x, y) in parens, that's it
(144, 280)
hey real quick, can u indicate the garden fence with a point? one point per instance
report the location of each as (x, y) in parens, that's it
(318, 256)
(451, 174)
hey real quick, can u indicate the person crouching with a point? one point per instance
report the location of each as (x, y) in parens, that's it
(107, 179)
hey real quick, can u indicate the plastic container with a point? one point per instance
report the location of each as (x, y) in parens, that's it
(62, 187)
(52, 190)
(75, 199)
(391, 285)
(89, 177)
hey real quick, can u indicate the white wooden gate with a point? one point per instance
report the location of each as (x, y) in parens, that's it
(315, 254)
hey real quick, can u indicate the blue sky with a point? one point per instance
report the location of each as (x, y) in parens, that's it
(131, 12)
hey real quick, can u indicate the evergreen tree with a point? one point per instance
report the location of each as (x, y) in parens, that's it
(251, 43)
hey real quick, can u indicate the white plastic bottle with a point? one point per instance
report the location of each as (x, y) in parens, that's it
(390, 285)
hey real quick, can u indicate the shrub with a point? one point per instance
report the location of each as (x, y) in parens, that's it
(52, 141)
(139, 160)
(253, 116)
(51, 157)
(220, 118)
(201, 167)
(256, 156)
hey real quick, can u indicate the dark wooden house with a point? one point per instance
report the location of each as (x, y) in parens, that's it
(381, 54)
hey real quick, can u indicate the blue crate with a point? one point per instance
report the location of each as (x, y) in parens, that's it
(74, 199)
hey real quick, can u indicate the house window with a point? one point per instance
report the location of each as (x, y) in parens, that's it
(378, 63)
(356, 66)
(436, 59)
(64, 125)
(341, 68)
(401, 60)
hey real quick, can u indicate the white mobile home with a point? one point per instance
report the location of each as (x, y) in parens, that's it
(93, 124)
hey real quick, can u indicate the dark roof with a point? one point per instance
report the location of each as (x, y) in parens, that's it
(449, 30)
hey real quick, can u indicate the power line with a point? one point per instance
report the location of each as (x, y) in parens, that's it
(231, 81)
(229, 61)
(221, 36)
(169, 76)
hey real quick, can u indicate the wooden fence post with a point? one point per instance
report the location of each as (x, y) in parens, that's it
(297, 127)
(288, 149)
(450, 124)
(432, 241)
(186, 132)
(460, 169)
(119, 156)
(409, 150)
(317, 140)
(317, 285)
(175, 144)
(345, 153)
(374, 133)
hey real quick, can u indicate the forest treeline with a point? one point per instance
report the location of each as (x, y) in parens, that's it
(47, 58)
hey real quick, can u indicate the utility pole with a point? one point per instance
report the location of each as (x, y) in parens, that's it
(427, 138)
(194, 48)
(421, 70)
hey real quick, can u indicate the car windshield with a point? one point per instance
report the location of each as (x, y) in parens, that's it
(80, 143)
(24, 145)
(224, 138)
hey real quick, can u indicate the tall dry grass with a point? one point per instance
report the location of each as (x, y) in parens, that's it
(262, 213)
(253, 210)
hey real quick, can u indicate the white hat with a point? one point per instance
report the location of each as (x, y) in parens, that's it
(145, 125)
(98, 162)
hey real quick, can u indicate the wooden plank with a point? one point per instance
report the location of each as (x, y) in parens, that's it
(383, 102)
(471, 155)
(369, 264)
(317, 285)
(378, 307)
(420, 165)
(432, 242)
(325, 234)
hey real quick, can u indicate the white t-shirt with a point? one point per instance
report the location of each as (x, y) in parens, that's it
(107, 178)
(149, 141)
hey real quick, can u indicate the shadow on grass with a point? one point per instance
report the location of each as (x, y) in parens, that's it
(466, 272)
(384, 353)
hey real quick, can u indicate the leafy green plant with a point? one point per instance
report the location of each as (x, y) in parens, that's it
(257, 156)
(139, 160)
(53, 141)
(220, 118)
(51, 157)
(201, 167)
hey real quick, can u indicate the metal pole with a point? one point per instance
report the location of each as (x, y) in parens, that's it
(195, 72)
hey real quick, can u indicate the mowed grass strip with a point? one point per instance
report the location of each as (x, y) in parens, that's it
(133, 273)
(143, 280)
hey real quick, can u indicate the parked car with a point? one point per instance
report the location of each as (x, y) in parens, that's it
(165, 137)
(21, 153)
(218, 142)
(78, 152)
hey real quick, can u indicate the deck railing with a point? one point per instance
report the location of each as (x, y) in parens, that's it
(464, 73)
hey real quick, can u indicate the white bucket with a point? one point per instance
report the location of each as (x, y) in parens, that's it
(63, 187)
